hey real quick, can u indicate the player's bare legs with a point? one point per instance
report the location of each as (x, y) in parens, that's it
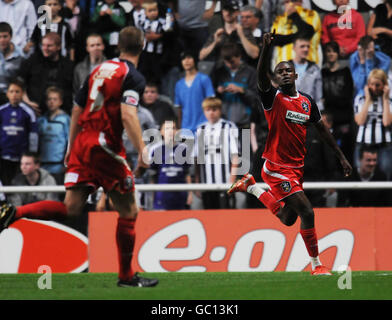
(75, 199)
(296, 204)
(72, 206)
(125, 205)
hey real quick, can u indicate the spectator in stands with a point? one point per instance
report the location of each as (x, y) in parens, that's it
(344, 26)
(236, 85)
(47, 68)
(95, 49)
(32, 175)
(270, 9)
(380, 26)
(166, 169)
(151, 56)
(338, 95)
(137, 14)
(108, 19)
(193, 20)
(58, 25)
(364, 60)
(53, 128)
(11, 58)
(367, 171)
(296, 20)
(250, 19)
(232, 31)
(160, 108)
(18, 131)
(309, 74)
(216, 153)
(190, 92)
(320, 163)
(21, 16)
(79, 25)
(373, 114)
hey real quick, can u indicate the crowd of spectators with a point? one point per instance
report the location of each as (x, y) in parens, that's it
(195, 50)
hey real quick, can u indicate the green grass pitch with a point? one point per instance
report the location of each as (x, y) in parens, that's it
(202, 286)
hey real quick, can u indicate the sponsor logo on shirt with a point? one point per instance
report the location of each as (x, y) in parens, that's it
(297, 117)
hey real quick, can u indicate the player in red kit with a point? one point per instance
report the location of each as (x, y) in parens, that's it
(288, 113)
(105, 105)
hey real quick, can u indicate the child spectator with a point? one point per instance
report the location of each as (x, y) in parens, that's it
(108, 19)
(153, 27)
(11, 57)
(58, 25)
(53, 128)
(216, 152)
(18, 131)
(167, 169)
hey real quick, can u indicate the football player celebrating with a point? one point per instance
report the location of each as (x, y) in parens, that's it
(105, 105)
(288, 113)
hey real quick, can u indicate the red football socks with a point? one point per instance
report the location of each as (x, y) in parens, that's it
(125, 237)
(310, 238)
(44, 210)
(270, 202)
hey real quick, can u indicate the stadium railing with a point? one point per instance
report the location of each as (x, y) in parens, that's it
(207, 187)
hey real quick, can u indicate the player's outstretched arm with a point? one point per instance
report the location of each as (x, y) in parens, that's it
(263, 80)
(132, 127)
(330, 140)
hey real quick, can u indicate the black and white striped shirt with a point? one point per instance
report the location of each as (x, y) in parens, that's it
(153, 26)
(215, 144)
(373, 130)
(137, 18)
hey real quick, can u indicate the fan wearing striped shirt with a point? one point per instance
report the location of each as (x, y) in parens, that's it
(216, 152)
(154, 27)
(373, 115)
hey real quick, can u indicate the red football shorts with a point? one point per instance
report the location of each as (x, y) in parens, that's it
(90, 165)
(283, 181)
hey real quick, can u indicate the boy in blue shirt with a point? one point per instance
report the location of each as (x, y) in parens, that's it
(18, 131)
(168, 167)
(53, 128)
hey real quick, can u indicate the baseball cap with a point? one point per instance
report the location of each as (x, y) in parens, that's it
(231, 5)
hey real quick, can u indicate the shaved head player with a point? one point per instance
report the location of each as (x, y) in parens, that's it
(288, 113)
(105, 105)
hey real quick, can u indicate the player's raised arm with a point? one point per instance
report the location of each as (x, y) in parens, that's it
(263, 80)
(330, 140)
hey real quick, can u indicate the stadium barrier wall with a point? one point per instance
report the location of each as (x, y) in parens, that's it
(202, 240)
(244, 240)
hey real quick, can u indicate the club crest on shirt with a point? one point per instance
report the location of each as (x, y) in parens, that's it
(128, 183)
(286, 186)
(305, 106)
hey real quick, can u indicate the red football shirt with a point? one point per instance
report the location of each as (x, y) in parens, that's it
(288, 118)
(108, 86)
